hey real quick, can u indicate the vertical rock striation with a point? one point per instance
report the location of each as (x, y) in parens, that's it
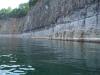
(11, 25)
(59, 19)
(65, 19)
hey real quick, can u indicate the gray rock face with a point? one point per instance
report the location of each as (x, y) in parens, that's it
(11, 25)
(64, 19)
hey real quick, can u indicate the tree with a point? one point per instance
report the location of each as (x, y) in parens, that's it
(21, 11)
(32, 3)
(4, 13)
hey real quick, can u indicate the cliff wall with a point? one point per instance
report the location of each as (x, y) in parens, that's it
(58, 19)
(64, 19)
(11, 25)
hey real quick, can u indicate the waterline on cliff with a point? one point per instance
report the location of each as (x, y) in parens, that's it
(96, 40)
(30, 35)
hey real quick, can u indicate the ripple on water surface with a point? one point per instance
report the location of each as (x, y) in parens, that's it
(11, 68)
(48, 57)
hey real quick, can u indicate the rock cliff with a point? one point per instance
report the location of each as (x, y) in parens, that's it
(62, 19)
(11, 25)
(65, 19)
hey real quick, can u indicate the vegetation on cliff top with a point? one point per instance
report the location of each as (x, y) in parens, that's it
(21, 11)
(32, 3)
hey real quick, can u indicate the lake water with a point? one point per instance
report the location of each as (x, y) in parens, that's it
(48, 57)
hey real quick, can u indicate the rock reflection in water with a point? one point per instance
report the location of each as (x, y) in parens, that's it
(48, 57)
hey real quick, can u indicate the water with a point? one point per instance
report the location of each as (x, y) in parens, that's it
(48, 57)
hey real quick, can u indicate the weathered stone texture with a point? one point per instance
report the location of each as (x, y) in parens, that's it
(60, 19)
(11, 25)
(64, 19)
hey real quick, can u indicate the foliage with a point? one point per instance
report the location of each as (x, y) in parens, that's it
(21, 11)
(4, 13)
(32, 3)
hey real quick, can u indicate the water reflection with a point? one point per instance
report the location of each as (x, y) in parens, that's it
(48, 57)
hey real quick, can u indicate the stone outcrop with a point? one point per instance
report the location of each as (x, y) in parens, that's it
(65, 19)
(11, 25)
(62, 19)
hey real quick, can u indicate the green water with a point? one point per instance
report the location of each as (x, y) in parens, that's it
(48, 57)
